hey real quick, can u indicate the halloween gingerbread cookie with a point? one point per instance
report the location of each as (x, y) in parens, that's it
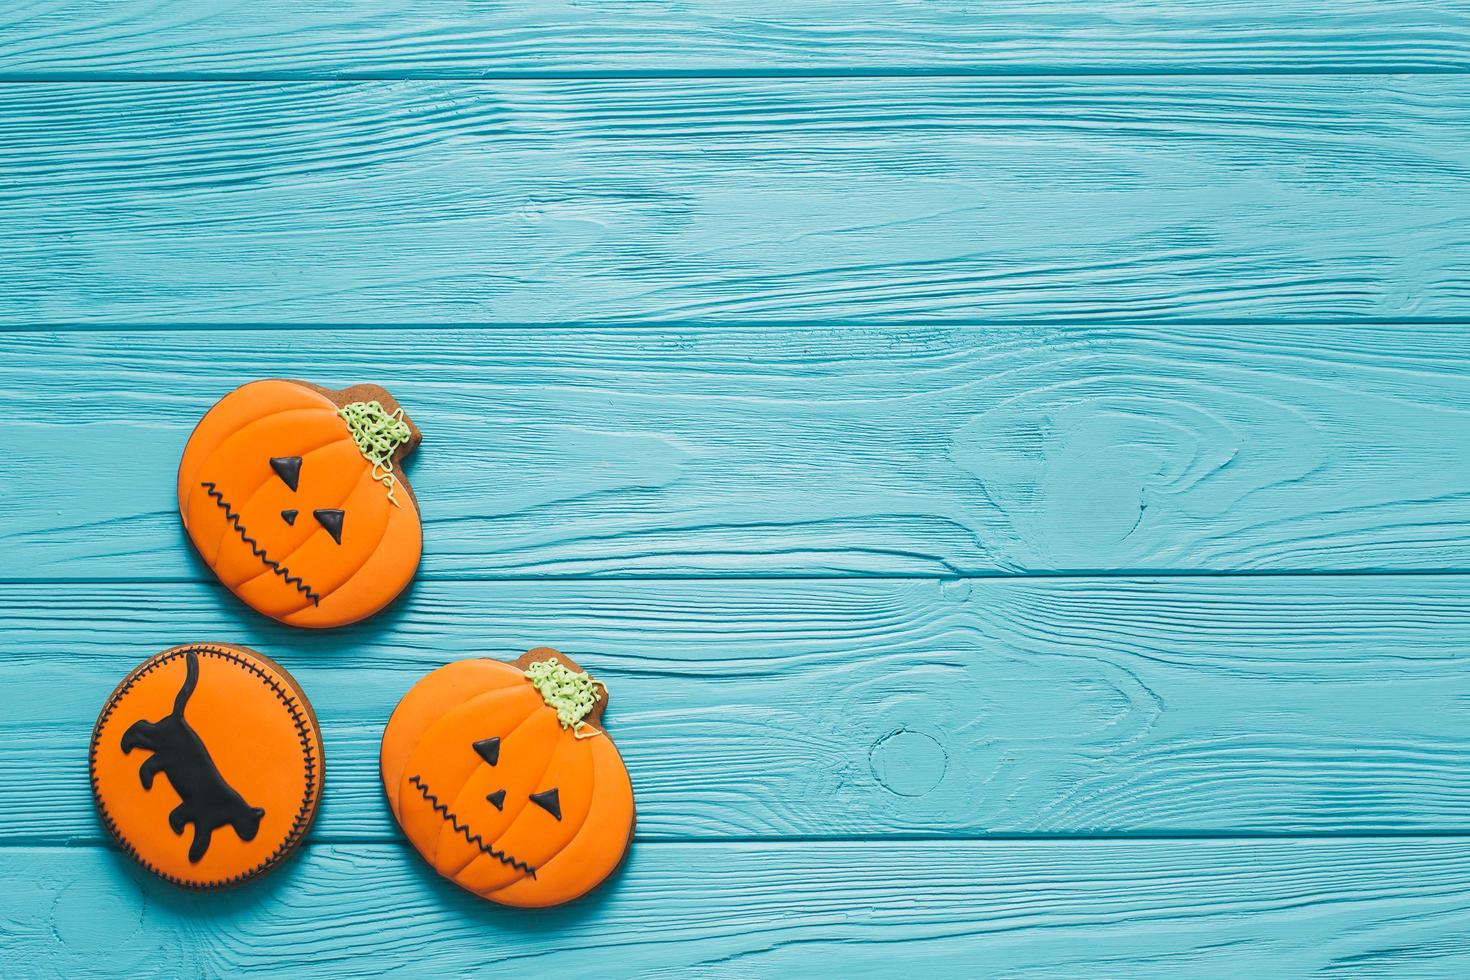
(215, 739)
(291, 495)
(503, 780)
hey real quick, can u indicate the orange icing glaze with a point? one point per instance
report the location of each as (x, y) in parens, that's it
(229, 762)
(295, 570)
(479, 823)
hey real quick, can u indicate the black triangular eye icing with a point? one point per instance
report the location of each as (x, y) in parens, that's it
(288, 468)
(550, 801)
(497, 799)
(332, 521)
(289, 516)
(489, 749)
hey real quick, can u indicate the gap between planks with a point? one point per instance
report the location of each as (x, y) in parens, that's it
(874, 577)
(774, 325)
(34, 842)
(698, 74)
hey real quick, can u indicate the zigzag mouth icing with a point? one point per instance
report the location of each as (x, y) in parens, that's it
(464, 829)
(256, 549)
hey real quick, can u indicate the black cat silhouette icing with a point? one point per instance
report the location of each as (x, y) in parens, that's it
(208, 802)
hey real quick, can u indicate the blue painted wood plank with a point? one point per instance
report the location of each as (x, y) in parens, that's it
(1044, 909)
(819, 709)
(795, 716)
(449, 38)
(735, 200)
(731, 452)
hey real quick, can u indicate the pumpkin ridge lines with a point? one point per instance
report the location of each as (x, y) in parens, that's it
(303, 732)
(306, 455)
(464, 829)
(520, 805)
(365, 478)
(255, 548)
(210, 446)
(584, 826)
(209, 457)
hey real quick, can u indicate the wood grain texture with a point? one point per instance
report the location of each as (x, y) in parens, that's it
(451, 38)
(1015, 909)
(738, 452)
(809, 709)
(736, 200)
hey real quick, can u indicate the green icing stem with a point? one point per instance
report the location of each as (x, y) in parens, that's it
(572, 693)
(378, 434)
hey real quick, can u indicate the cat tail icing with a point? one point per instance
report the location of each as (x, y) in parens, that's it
(191, 679)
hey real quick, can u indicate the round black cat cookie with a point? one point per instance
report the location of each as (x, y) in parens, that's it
(207, 764)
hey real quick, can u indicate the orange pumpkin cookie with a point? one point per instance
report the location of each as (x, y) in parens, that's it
(216, 738)
(290, 494)
(501, 777)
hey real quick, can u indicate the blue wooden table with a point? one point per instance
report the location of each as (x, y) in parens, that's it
(1010, 463)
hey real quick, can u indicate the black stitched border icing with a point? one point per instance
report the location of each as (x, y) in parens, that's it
(256, 549)
(464, 829)
(304, 735)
